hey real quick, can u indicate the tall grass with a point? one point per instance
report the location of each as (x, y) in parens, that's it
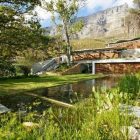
(95, 118)
(130, 84)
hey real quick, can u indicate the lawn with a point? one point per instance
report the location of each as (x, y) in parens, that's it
(12, 86)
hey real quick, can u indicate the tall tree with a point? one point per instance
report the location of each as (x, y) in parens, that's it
(13, 27)
(16, 33)
(66, 11)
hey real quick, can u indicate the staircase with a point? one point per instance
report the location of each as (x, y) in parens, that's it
(45, 66)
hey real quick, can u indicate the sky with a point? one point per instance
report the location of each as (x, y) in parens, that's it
(92, 6)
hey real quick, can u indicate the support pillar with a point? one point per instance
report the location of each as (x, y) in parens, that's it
(93, 68)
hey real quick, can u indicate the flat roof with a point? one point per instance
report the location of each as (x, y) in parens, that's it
(99, 50)
(119, 60)
(124, 41)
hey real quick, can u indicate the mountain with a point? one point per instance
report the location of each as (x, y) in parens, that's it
(110, 22)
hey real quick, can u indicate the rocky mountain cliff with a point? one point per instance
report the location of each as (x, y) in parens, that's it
(110, 22)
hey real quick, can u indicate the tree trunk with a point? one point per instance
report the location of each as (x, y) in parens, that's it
(68, 44)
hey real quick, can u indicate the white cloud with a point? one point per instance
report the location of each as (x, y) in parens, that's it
(92, 4)
(120, 2)
(104, 4)
(42, 13)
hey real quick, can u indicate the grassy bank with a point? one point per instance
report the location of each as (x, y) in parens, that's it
(88, 44)
(91, 43)
(98, 117)
(10, 86)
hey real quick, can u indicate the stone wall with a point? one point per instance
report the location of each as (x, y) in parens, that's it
(115, 68)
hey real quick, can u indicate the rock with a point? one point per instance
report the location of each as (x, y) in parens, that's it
(131, 132)
(131, 110)
(30, 125)
(138, 131)
(104, 23)
(3, 109)
(136, 124)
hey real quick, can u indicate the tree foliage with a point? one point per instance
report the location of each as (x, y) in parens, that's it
(66, 11)
(19, 36)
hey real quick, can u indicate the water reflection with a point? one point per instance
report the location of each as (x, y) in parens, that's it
(69, 93)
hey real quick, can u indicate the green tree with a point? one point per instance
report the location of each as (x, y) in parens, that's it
(18, 35)
(66, 10)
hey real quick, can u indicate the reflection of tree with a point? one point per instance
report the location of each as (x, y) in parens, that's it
(70, 92)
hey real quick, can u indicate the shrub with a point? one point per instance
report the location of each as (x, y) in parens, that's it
(26, 70)
(7, 69)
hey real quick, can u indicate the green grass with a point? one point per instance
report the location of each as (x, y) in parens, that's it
(89, 121)
(91, 43)
(95, 118)
(10, 86)
(88, 44)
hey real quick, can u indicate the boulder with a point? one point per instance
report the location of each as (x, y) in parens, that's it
(3, 109)
(131, 132)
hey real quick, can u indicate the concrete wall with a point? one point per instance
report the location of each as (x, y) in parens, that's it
(117, 68)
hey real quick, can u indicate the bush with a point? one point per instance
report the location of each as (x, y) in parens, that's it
(7, 69)
(26, 70)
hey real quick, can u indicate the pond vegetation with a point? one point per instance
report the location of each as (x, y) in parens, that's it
(98, 117)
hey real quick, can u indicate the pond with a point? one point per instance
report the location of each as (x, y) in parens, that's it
(70, 93)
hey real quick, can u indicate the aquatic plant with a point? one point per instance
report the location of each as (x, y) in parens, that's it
(130, 85)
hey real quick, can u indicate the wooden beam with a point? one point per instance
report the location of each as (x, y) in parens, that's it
(58, 103)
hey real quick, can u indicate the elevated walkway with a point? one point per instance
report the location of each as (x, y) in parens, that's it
(45, 66)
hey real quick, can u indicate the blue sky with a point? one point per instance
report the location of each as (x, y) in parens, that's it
(92, 6)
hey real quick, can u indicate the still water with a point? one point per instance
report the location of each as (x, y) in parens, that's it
(70, 93)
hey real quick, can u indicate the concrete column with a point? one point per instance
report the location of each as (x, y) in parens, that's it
(93, 68)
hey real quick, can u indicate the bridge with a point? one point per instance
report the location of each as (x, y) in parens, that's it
(117, 57)
(112, 64)
(118, 49)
